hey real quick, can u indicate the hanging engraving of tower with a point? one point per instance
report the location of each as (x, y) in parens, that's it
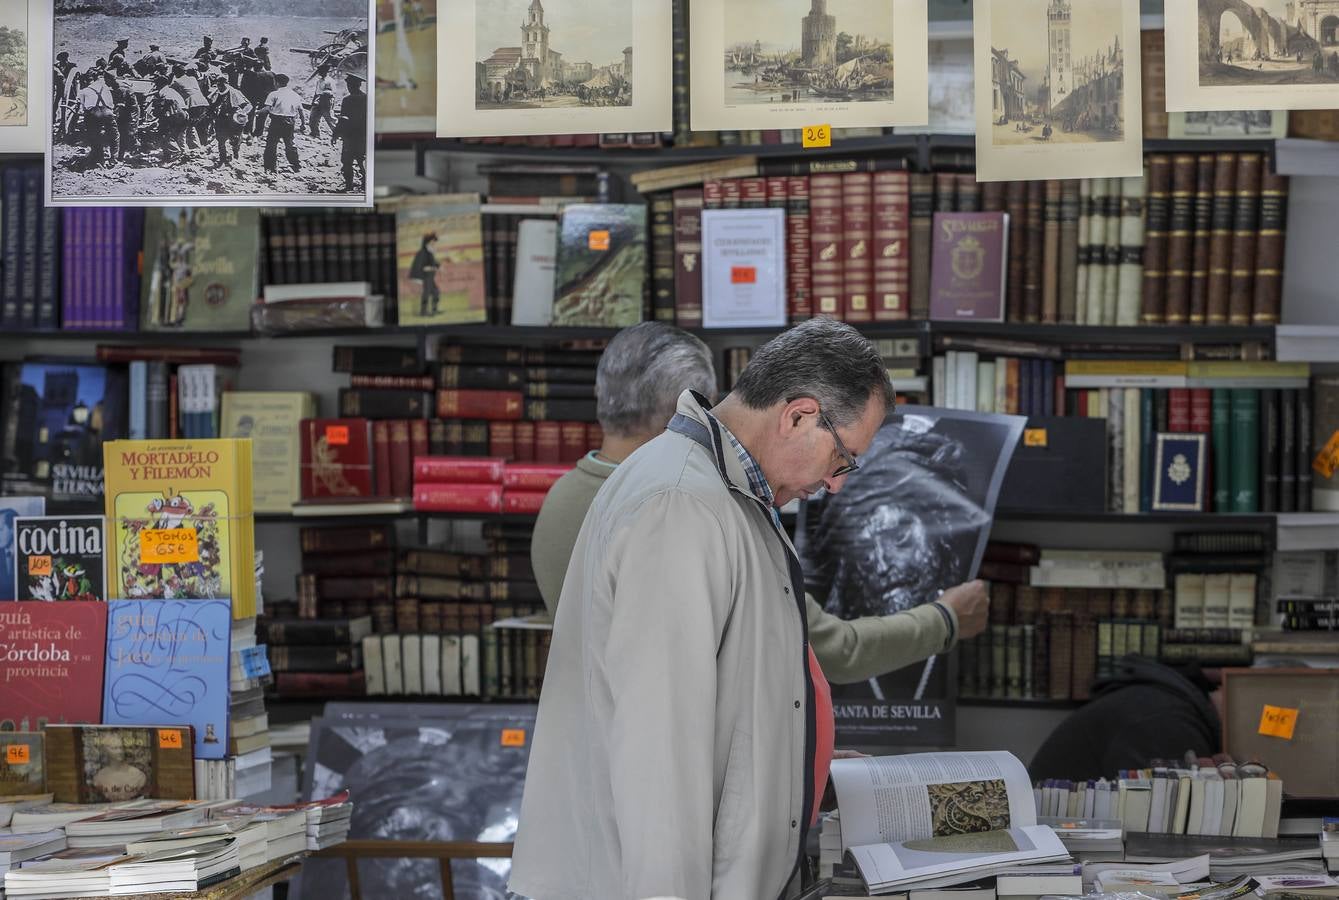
(1060, 62)
(818, 36)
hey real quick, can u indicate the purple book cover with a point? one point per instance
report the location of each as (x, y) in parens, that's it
(967, 275)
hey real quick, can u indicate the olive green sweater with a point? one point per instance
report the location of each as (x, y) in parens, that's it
(848, 651)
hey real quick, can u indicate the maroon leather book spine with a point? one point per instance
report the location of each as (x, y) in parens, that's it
(857, 234)
(688, 204)
(892, 246)
(1154, 302)
(732, 193)
(381, 462)
(1033, 263)
(402, 459)
(1220, 237)
(479, 404)
(548, 442)
(337, 459)
(1015, 204)
(502, 439)
(525, 442)
(1245, 225)
(571, 441)
(752, 193)
(825, 243)
(1180, 239)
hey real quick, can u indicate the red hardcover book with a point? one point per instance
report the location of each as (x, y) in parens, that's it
(402, 459)
(776, 192)
(381, 456)
(688, 257)
(502, 439)
(891, 253)
(548, 442)
(1178, 410)
(337, 459)
(460, 498)
(732, 193)
(857, 236)
(320, 684)
(472, 404)
(1059, 396)
(825, 243)
(458, 470)
(799, 278)
(968, 267)
(393, 382)
(572, 441)
(1201, 410)
(523, 503)
(532, 477)
(753, 193)
(418, 437)
(51, 670)
(713, 194)
(525, 442)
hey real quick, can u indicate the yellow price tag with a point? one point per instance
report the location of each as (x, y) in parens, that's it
(1034, 437)
(1278, 721)
(513, 737)
(1327, 460)
(169, 739)
(39, 565)
(168, 545)
(816, 136)
(17, 754)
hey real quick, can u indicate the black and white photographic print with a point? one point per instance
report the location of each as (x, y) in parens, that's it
(794, 63)
(1251, 54)
(552, 66)
(23, 41)
(211, 102)
(1062, 99)
(1262, 124)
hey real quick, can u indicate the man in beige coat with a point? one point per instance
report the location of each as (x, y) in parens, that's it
(640, 377)
(674, 752)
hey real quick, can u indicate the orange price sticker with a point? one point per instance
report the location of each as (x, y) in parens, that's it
(1327, 461)
(337, 435)
(816, 136)
(169, 739)
(598, 240)
(39, 565)
(159, 546)
(743, 275)
(513, 737)
(1278, 721)
(1034, 437)
(17, 754)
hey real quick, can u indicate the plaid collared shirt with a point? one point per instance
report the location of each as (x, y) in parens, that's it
(757, 480)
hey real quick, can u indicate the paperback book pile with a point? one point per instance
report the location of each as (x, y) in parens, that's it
(17, 848)
(905, 822)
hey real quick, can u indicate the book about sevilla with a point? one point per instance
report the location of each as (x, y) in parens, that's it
(968, 269)
(179, 516)
(51, 663)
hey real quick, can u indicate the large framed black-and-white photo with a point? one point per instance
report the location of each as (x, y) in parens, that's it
(211, 103)
(23, 75)
(534, 67)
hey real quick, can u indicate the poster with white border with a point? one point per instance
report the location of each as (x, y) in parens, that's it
(25, 75)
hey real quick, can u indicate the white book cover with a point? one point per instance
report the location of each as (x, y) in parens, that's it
(374, 673)
(536, 264)
(411, 663)
(744, 268)
(393, 661)
(451, 684)
(470, 671)
(432, 665)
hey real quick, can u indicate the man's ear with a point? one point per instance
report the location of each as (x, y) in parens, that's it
(797, 409)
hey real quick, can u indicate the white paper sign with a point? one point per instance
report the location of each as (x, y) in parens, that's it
(743, 268)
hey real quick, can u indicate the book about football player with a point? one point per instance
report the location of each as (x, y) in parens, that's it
(51, 667)
(57, 416)
(60, 558)
(11, 508)
(601, 268)
(439, 253)
(271, 420)
(968, 266)
(168, 661)
(200, 268)
(179, 515)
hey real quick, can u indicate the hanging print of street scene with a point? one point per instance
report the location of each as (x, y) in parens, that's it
(210, 102)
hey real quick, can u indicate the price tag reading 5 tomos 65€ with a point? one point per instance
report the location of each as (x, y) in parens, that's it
(158, 546)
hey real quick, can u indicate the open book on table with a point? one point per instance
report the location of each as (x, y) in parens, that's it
(938, 819)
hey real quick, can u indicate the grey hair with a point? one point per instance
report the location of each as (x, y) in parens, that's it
(824, 359)
(642, 373)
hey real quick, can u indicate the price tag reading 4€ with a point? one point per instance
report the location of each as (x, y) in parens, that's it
(169, 739)
(158, 546)
(816, 136)
(1278, 721)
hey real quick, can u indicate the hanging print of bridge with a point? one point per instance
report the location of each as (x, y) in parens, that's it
(1269, 42)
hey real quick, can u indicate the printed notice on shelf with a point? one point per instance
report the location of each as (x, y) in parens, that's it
(743, 268)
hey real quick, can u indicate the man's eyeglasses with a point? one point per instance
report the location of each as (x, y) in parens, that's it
(847, 456)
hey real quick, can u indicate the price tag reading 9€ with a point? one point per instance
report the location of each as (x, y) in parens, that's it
(158, 546)
(17, 754)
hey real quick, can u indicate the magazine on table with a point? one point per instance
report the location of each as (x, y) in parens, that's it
(937, 819)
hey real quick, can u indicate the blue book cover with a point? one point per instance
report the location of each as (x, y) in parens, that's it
(168, 664)
(1179, 480)
(10, 509)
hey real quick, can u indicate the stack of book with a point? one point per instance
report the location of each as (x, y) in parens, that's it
(130, 822)
(317, 657)
(1329, 844)
(300, 248)
(17, 848)
(466, 484)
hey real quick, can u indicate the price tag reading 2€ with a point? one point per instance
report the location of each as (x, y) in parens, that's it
(816, 136)
(158, 546)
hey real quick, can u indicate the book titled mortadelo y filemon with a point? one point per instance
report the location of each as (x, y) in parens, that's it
(179, 516)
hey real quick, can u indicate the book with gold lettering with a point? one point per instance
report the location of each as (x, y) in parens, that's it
(968, 266)
(200, 267)
(179, 516)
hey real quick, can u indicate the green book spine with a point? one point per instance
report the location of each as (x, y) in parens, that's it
(1148, 441)
(1222, 450)
(1270, 480)
(1244, 437)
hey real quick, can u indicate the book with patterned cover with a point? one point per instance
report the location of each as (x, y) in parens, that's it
(970, 256)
